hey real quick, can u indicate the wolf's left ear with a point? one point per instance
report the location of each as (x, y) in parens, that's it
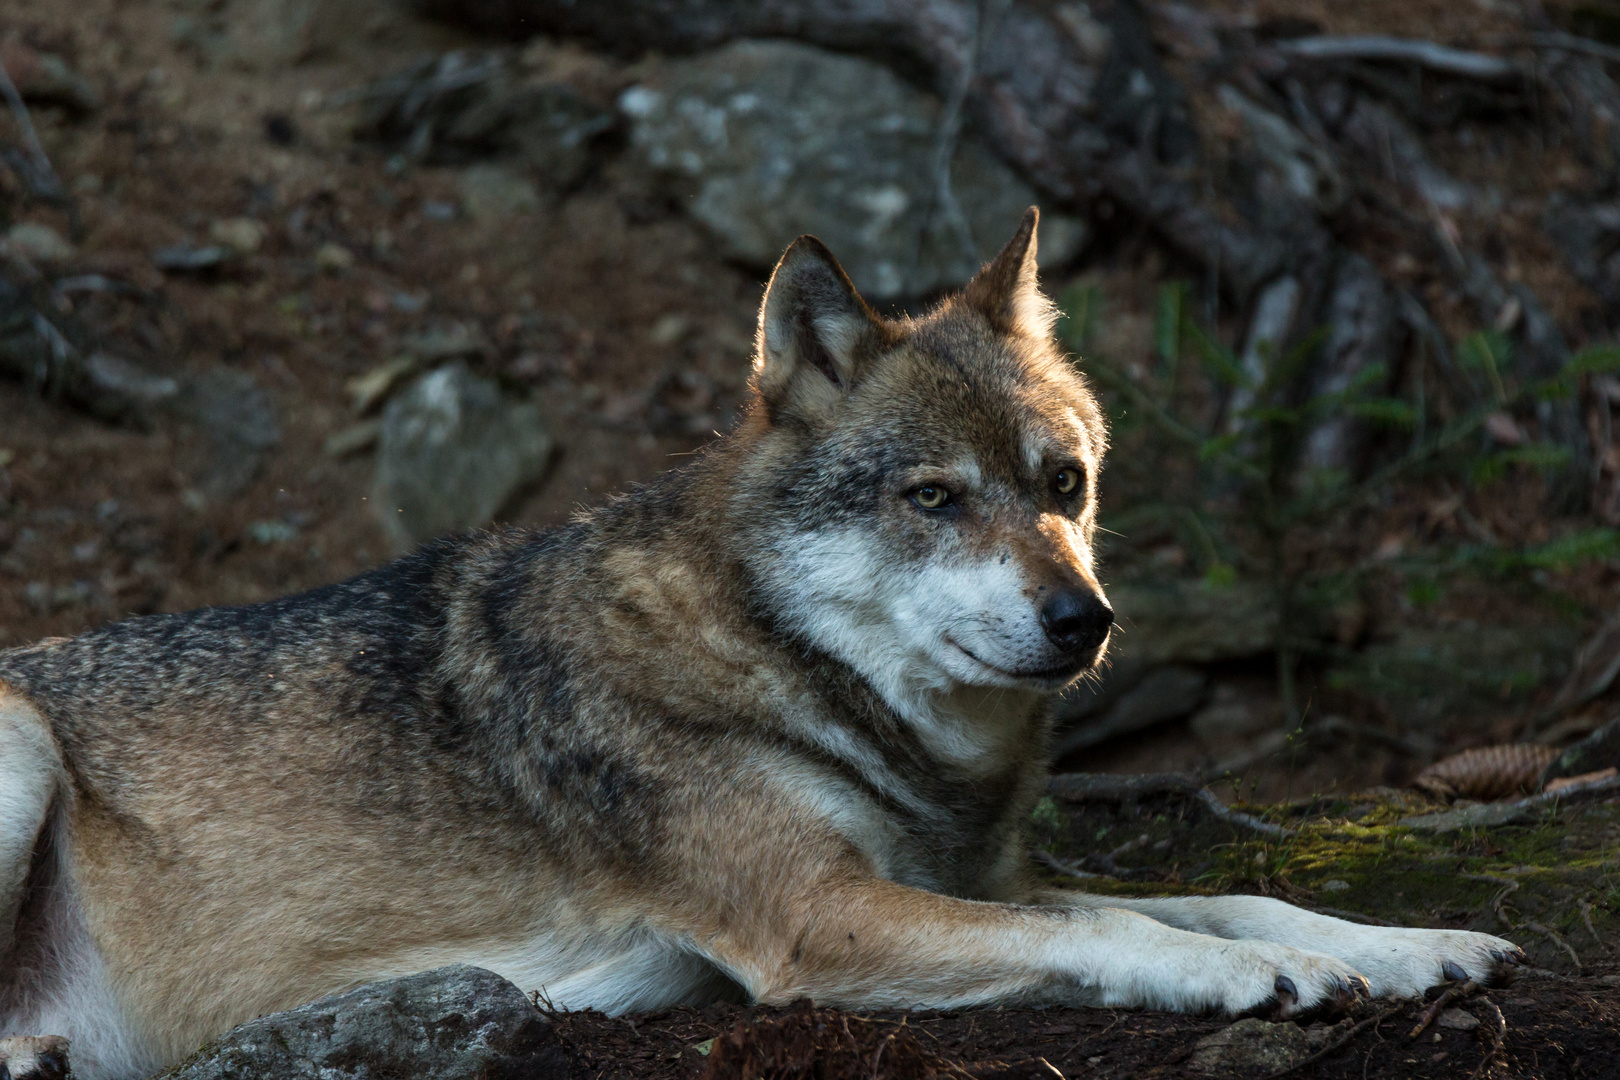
(1005, 291)
(814, 331)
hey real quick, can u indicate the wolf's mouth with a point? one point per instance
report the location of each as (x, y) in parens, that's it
(1056, 674)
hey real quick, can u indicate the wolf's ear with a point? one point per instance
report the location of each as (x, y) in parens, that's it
(814, 331)
(1005, 291)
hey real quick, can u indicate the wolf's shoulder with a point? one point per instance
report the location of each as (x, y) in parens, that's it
(398, 605)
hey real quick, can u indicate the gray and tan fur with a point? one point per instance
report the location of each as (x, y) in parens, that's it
(768, 727)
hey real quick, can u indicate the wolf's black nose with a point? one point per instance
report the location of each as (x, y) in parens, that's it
(1076, 619)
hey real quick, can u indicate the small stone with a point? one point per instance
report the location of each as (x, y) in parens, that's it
(188, 258)
(334, 258)
(493, 193)
(38, 242)
(1458, 1020)
(242, 235)
(268, 533)
(1336, 885)
(1250, 1044)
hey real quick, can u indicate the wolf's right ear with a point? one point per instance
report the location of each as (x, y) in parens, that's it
(815, 331)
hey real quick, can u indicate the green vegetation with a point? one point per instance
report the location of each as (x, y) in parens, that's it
(1221, 466)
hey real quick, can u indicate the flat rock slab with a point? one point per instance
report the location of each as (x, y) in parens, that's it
(761, 141)
(454, 1023)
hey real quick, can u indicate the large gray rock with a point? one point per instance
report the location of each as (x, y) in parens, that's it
(452, 452)
(764, 140)
(455, 1023)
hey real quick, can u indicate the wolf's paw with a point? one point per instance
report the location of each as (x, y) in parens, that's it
(1404, 963)
(34, 1057)
(1258, 978)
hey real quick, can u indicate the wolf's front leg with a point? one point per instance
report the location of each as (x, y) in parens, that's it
(870, 943)
(1398, 962)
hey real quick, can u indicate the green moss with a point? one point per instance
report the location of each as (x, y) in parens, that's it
(1379, 868)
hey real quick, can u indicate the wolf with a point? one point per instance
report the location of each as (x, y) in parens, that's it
(768, 727)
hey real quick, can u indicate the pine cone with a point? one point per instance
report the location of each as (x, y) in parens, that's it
(1486, 772)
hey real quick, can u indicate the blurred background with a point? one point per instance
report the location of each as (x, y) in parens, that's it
(288, 286)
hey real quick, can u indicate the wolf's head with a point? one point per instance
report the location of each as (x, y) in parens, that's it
(922, 493)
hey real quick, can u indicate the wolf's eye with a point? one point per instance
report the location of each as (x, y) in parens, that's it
(930, 496)
(1067, 481)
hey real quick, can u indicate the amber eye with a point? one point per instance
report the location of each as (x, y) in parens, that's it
(1067, 481)
(930, 496)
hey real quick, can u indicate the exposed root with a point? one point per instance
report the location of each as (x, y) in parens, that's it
(1509, 887)
(1586, 917)
(1498, 1040)
(1552, 935)
(1107, 787)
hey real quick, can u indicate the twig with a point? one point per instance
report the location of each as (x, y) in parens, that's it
(1586, 917)
(25, 121)
(1552, 935)
(1461, 990)
(1373, 1020)
(1498, 1038)
(1471, 65)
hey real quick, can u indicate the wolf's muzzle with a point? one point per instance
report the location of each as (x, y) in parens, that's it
(1076, 620)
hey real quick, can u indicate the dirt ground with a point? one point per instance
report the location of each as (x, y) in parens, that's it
(633, 337)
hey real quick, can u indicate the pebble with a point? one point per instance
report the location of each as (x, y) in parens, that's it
(39, 242)
(333, 258)
(242, 235)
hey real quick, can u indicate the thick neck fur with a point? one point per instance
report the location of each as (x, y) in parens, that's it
(726, 522)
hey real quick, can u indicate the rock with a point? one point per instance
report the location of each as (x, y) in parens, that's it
(452, 452)
(1250, 1045)
(1175, 622)
(261, 35)
(1425, 673)
(1165, 694)
(465, 104)
(492, 192)
(455, 1023)
(1457, 1020)
(38, 243)
(1598, 751)
(764, 140)
(238, 419)
(191, 259)
(1230, 717)
(333, 258)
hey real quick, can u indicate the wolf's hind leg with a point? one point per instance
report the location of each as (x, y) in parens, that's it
(30, 770)
(34, 1057)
